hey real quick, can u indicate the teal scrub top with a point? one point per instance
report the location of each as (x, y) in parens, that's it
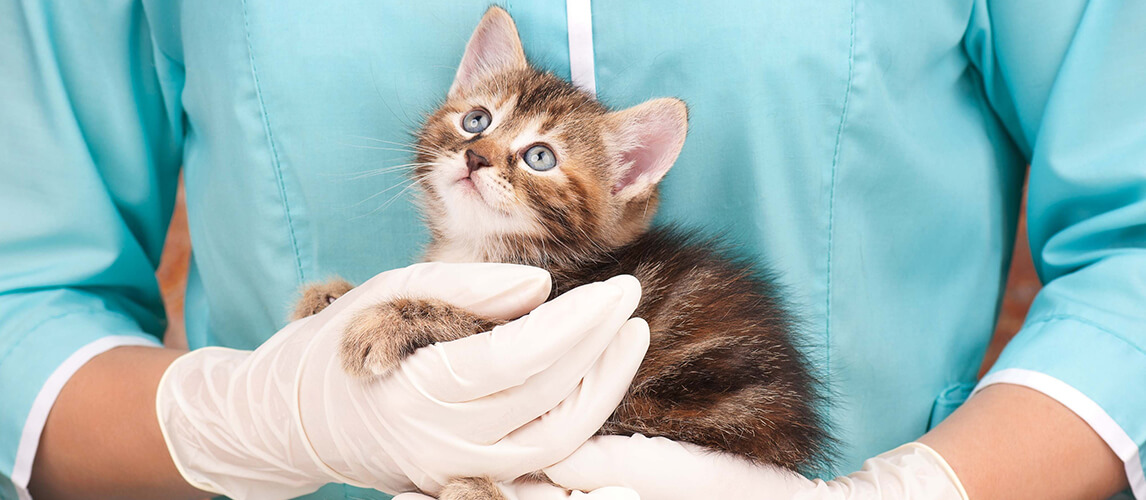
(871, 151)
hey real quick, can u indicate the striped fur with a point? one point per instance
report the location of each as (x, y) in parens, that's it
(722, 370)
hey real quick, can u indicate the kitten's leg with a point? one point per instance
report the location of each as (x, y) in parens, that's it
(471, 488)
(380, 336)
(316, 297)
(482, 488)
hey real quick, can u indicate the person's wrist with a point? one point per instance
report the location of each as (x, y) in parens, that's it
(195, 405)
(913, 470)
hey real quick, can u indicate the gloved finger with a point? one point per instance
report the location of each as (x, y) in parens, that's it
(522, 490)
(501, 291)
(607, 493)
(585, 319)
(559, 432)
(617, 460)
(539, 491)
(544, 391)
(665, 469)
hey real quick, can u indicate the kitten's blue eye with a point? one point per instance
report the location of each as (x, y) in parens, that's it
(476, 121)
(540, 158)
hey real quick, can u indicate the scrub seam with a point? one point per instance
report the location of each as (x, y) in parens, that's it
(1078, 319)
(41, 322)
(832, 191)
(275, 164)
(28, 331)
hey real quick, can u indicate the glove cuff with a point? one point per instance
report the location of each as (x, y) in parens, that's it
(921, 450)
(173, 422)
(215, 433)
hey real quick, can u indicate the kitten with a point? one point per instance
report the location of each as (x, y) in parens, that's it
(520, 166)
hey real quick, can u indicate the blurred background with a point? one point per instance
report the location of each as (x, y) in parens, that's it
(1022, 284)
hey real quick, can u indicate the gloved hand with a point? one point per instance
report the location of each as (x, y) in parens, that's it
(540, 491)
(285, 419)
(662, 469)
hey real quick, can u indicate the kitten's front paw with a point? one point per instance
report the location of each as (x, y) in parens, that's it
(316, 297)
(381, 336)
(471, 488)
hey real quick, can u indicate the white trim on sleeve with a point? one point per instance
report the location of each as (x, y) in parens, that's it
(579, 16)
(1085, 408)
(38, 415)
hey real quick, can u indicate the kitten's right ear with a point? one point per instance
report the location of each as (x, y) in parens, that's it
(494, 47)
(646, 139)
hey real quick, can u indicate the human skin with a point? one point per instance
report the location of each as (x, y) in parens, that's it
(1009, 441)
(102, 440)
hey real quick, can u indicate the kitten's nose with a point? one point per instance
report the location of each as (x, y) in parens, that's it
(475, 161)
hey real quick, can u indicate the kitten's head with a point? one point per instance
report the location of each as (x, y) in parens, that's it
(519, 165)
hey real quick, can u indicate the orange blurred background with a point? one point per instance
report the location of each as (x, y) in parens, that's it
(1022, 284)
(172, 272)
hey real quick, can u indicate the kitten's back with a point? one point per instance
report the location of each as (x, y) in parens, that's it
(723, 368)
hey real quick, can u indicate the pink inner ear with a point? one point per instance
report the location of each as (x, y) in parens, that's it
(658, 136)
(494, 47)
(491, 52)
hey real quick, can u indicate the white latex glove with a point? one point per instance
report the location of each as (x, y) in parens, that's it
(540, 491)
(662, 469)
(285, 419)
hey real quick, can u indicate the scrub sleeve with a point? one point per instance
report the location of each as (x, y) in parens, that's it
(91, 131)
(90, 147)
(1069, 83)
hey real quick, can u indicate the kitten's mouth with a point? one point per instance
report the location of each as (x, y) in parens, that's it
(468, 187)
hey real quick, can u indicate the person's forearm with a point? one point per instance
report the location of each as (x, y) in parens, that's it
(102, 438)
(1009, 441)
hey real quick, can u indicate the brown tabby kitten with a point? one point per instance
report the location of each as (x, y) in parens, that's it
(520, 166)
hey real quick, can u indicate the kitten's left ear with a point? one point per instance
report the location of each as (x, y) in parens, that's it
(647, 138)
(493, 48)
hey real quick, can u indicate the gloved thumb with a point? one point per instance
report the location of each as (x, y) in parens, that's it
(500, 291)
(664, 469)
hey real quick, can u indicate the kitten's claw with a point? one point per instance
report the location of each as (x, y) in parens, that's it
(316, 297)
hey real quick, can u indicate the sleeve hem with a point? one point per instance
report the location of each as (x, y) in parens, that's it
(1089, 411)
(42, 404)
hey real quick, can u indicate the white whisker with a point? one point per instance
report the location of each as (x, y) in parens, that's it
(405, 182)
(391, 200)
(385, 170)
